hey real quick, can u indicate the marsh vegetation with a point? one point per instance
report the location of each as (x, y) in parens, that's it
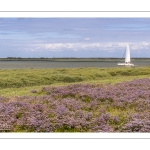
(75, 100)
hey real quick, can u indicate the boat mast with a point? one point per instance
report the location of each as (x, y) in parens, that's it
(127, 57)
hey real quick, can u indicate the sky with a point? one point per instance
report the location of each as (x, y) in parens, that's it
(74, 37)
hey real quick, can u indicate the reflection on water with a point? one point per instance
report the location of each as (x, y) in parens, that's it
(66, 64)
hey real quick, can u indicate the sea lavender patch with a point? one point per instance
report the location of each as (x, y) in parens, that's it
(123, 107)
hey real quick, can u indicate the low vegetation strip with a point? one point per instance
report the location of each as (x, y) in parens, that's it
(37, 77)
(122, 107)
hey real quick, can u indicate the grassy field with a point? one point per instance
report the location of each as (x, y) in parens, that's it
(19, 82)
(75, 100)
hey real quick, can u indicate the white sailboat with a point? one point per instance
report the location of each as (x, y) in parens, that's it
(127, 58)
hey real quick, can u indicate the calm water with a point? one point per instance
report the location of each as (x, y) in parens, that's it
(65, 64)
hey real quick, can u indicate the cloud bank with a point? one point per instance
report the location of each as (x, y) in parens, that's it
(106, 46)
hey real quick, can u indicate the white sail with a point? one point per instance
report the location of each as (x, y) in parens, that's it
(127, 56)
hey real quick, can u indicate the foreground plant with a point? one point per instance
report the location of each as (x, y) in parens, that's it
(123, 107)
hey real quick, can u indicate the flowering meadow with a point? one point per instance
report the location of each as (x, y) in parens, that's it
(120, 107)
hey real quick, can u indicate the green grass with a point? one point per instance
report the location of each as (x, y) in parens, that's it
(18, 82)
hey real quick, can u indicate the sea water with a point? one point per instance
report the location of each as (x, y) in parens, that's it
(17, 64)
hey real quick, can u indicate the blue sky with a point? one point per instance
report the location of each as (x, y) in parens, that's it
(74, 37)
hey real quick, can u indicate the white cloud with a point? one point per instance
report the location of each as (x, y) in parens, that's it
(140, 46)
(87, 39)
(106, 46)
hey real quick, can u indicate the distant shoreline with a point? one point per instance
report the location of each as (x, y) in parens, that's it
(66, 59)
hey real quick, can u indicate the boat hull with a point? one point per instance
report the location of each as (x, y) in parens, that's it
(125, 64)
